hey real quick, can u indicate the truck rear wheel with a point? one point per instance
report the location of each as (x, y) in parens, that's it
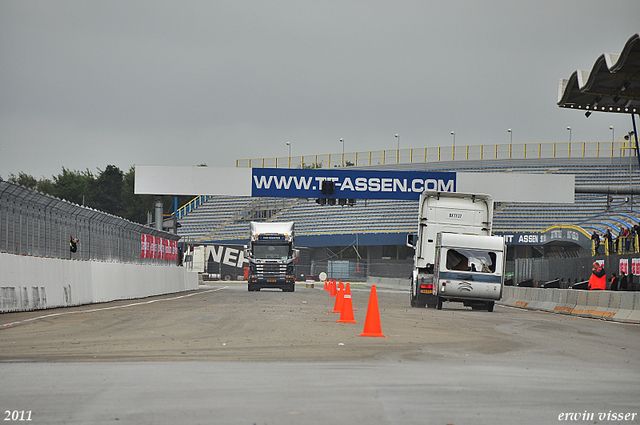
(490, 306)
(415, 300)
(439, 304)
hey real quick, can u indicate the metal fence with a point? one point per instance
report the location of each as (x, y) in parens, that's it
(448, 153)
(359, 270)
(569, 270)
(35, 224)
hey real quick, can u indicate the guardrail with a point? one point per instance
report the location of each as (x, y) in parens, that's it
(448, 153)
(39, 225)
(191, 205)
(607, 305)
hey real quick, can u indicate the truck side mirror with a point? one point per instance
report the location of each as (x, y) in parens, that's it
(296, 253)
(411, 240)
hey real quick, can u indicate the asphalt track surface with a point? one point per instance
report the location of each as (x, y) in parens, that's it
(223, 355)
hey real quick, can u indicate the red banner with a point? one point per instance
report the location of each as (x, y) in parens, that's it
(624, 266)
(151, 241)
(143, 246)
(154, 246)
(157, 247)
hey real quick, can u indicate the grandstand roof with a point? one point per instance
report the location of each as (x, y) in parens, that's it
(612, 85)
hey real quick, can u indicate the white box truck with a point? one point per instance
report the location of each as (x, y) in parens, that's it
(456, 257)
(272, 256)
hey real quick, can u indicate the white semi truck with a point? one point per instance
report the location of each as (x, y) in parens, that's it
(272, 256)
(456, 257)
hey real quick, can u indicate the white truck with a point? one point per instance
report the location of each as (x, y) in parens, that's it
(272, 256)
(456, 257)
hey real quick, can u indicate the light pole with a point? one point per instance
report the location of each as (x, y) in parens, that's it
(289, 145)
(398, 150)
(510, 141)
(453, 150)
(569, 128)
(613, 132)
(342, 141)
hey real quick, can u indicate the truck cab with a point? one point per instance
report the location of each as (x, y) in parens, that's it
(272, 256)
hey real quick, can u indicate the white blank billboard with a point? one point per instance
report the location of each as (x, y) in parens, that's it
(176, 180)
(503, 187)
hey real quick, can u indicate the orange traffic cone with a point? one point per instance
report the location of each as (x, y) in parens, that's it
(333, 292)
(346, 315)
(325, 285)
(337, 307)
(372, 322)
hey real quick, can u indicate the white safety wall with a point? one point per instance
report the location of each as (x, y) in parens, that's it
(30, 283)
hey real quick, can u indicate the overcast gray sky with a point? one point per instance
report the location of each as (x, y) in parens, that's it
(85, 83)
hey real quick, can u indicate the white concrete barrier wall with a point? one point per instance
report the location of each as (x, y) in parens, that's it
(390, 282)
(607, 305)
(29, 283)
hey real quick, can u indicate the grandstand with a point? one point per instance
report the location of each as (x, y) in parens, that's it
(600, 169)
(386, 222)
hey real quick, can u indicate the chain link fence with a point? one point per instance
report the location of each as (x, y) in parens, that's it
(568, 270)
(35, 224)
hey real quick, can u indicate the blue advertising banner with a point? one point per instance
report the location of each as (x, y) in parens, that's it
(560, 233)
(349, 183)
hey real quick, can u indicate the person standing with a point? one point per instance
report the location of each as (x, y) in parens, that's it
(596, 241)
(623, 282)
(614, 282)
(598, 279)
(73, 244)
(608, 240)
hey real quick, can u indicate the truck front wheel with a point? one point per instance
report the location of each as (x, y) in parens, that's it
(439, 304)
(490, 306)
(290, 288)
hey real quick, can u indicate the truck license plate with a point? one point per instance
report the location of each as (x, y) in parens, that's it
(426, 291)
(271, 280)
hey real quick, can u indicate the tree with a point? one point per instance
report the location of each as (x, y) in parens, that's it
(24, 179)
(74, 186)
(112, 191)
(134, 207)
(305, 166)
(106, 191)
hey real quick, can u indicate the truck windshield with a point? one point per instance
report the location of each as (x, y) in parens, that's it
(271, 252)
(471, 260)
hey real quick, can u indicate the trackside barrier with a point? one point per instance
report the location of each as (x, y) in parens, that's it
(607, 305)
(34, 283)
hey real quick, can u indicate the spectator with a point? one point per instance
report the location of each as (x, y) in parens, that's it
(632, 238)
(614, 282)
(623, 236)
(598, 279)
(623, 282)
(73, 244)
(608, 240)
(596, 241)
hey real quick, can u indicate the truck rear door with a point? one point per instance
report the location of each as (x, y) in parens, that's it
(469, 273)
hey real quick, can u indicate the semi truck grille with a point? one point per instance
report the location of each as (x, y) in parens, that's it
(271, 270)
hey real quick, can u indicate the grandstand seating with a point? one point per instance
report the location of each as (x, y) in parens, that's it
(226, 218)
